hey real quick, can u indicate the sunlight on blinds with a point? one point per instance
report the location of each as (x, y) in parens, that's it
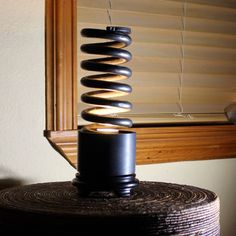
(184, 56)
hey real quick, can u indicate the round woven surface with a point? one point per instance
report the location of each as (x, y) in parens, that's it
(154, 209)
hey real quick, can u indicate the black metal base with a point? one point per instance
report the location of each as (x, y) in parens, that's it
(106, 162)
(121, 186)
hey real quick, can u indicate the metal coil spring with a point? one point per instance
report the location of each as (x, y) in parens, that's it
(106, 108)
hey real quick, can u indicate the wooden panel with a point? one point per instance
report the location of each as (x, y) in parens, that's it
(61, 73)
(61, 64)
(165, 144)
(64, 142)
(156, 145)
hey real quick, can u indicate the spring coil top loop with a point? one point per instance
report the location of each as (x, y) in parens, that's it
(105, 107)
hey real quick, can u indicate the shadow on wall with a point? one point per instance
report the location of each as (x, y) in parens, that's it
(7, 180)
(10, 182)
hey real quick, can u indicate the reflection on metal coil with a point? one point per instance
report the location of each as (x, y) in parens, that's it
(105, 105)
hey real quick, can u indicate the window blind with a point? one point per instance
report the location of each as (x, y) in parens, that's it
(184, 56)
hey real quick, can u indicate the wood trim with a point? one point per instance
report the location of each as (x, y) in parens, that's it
(61, 65)
(166, 144)
(157, 145)
(64, 142)
(61, 73)
(154, 144)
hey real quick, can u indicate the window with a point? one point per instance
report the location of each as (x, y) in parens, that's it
(155, 142)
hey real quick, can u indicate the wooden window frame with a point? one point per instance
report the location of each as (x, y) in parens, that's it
(154, 144)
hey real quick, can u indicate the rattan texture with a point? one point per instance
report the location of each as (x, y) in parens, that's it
(155, 208)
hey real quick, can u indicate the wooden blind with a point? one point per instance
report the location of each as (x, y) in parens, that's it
(184, 56)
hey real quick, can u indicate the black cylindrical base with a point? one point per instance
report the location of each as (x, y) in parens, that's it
(106, 162)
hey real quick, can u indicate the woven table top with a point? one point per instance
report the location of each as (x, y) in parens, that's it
(154, 209)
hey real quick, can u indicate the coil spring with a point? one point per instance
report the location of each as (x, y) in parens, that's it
(106, 108)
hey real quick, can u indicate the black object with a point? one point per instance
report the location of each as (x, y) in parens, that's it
(230, 112)
(106, 159)
(107, 82)
(106, 162)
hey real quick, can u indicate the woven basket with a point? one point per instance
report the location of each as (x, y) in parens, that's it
(153, 209)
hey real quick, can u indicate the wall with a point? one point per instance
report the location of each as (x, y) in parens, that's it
(25, 155)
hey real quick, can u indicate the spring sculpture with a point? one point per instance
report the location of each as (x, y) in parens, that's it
(107, 83)
(106, 159)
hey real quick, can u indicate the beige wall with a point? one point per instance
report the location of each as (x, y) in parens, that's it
(26, 156)
(24, 152)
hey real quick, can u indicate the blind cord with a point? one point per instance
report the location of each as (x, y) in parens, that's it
(108, 12)
(181, 77)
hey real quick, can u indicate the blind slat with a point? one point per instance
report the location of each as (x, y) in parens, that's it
(162, 21)
(210, 26)
(222, 81)
(210, 39)
(152, 7)
(220, 3)
(94, 15)
(173, 8)
(211, 12)
(209, 53)
(209, 67)
(173, 22)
